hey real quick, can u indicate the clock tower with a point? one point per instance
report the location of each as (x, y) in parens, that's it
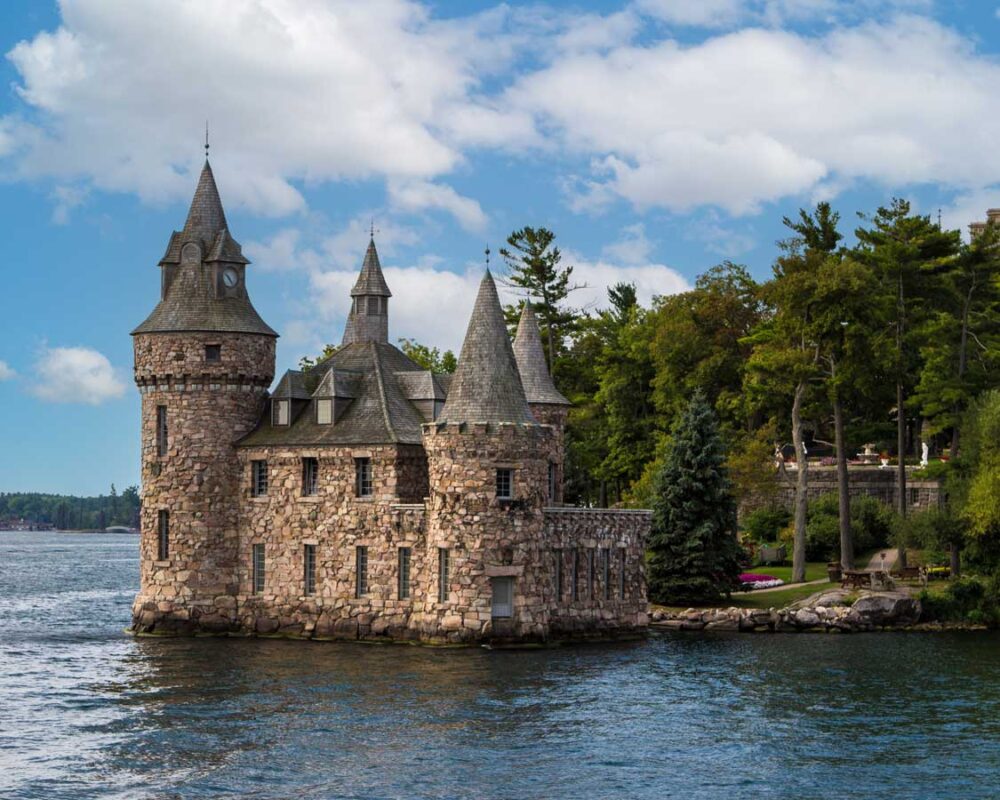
(204, 360)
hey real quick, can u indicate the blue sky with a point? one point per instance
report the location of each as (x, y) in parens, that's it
(656, 137)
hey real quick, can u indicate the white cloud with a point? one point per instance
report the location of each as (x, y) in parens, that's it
(6, 372)
(632, 248)
(967, 208)
(66, 198)
(701, 13)
(418, 195)
(75, 375)
(717, 237)
(758, 115)
(295, 90)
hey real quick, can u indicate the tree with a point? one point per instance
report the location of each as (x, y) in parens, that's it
(429, 357)
(906, 252)
(694, 555)
(306, 363)
(533, 267)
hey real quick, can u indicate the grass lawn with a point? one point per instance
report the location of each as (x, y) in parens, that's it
(814, 571)
(778, 598)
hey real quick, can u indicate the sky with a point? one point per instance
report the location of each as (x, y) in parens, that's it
(655, 137)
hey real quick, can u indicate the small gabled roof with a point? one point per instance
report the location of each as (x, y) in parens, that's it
(293, 385)
(339, 383)
(421, 385)
(486, 386)
(371, 281)
(535, 377)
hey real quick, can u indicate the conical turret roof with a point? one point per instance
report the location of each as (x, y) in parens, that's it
(535, 377)
(371, 281)
(206, 217)
(486, 386)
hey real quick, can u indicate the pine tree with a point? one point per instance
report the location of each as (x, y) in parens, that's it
(694, 553)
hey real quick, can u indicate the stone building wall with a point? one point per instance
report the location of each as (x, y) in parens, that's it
(208, 406)
(863, 481)
(576, 535)
(554, 416)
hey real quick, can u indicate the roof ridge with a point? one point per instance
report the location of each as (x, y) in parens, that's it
(377, 362)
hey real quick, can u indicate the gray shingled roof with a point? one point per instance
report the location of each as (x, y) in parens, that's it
(379, 414)
(191, 303)
(371, 281)
(486, 386)
(535, 377)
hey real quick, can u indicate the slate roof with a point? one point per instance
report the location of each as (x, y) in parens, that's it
(190, 303)
(378, 376)
(486, 386)
(371, 281)
(535, 377)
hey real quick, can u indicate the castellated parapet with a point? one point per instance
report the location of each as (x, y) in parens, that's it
(366, 497)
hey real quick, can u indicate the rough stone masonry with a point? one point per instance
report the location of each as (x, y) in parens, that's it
(363, 498)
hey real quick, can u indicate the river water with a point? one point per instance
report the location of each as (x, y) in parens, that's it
(86, 711)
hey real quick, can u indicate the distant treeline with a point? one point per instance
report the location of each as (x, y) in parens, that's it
(68, 512)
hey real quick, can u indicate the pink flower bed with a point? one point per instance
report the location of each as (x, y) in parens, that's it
(752, 580)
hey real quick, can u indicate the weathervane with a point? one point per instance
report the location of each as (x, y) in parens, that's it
(206, 140)
(487, 257)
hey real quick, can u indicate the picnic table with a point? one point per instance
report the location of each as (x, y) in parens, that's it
(866, 579)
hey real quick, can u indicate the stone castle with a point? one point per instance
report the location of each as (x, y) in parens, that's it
(366, 497)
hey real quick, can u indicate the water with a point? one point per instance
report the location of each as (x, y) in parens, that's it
(86, 711)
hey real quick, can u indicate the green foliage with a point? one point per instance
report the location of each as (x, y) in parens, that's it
(934, 531)
(974, 600)
(429, 357)
(306, 363)
(693, 548)
(873, 525)
(764, 524)
(69, 512)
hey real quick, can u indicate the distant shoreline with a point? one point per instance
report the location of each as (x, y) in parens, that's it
(82, 531)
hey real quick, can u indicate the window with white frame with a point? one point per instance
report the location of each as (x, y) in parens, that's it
(405, 554)
(360, 571)
(324, 411)
(309, 569)
(280, 412)
(310, 476)
(505, 483)
(258, 568)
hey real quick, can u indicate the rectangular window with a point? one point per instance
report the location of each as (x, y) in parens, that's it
(552, 482)
(279, 412)
(404, 572)
(621, 574)
(362, 477)
(161, 430)
(324, 412)
(559, 574)
(606, 569)
(309, 568)
(310, 476)
(503, 598)
(258, 478)
(505, 484)
(360, 571)
(576, 574)
(163, 538)
(591, 573)
(258, 568)
(444, 568)
(213, 352)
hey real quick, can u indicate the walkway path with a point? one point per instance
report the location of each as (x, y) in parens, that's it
(784, 587)
(876, 562)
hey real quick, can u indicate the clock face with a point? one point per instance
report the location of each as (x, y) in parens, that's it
(230, 278)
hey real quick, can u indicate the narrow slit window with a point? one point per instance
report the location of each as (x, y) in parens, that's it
(606, 569)
(591, 573)
(552, 482)
(621, 574)
(503, 598)
(576, 575)
(163, 535)
(505, 484)
(213, 352)
(362, 477)
(310, 476)
(559, 574)
(258, 478)
(444, 576)
(404, 572)
(309, 568)
(161, 430)
(361, 571)
(258, 568)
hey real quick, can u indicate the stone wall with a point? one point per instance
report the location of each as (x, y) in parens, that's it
(554, 416)
(870, 481)
(208, 405)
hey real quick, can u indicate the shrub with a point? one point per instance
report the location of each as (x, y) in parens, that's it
(872, 525)
(973, 600)
(764, 524)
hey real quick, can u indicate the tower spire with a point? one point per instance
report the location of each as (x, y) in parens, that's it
(368, 319)
(487, 386)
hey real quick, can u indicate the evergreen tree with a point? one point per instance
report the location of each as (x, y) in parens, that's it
(694, 553)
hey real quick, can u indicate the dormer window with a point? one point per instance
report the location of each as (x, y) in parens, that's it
(280, 412)
(324, 411)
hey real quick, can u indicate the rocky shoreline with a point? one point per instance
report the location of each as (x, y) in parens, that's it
(837, 611)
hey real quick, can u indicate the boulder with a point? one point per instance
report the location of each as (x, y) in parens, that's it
(886, 609)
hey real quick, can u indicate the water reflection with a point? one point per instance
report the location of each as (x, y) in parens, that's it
(88, 712)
